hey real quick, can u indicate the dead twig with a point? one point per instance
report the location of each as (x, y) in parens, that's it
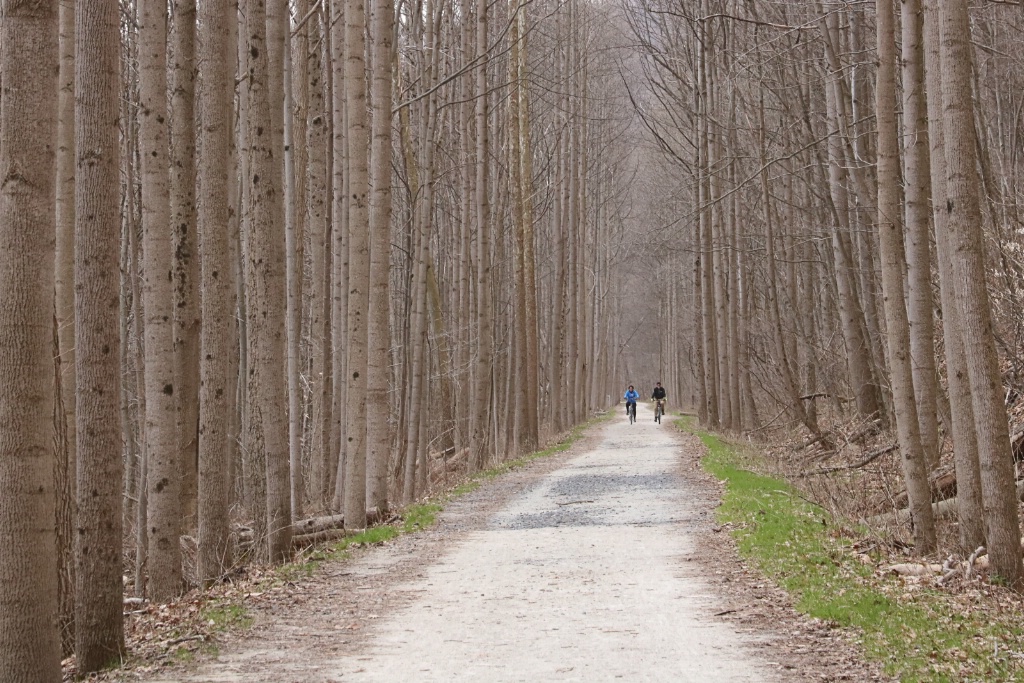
(869, 458)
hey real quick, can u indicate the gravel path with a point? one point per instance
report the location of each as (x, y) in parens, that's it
(582, 567)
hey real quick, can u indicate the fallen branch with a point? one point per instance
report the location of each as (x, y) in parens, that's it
(574, 502)
(972, 559)
(871, 457)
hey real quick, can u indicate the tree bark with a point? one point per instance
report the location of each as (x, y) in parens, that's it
(965, 445)
(918, 194)
(965, 239)
(359, 265)
(186, 263)
(217, 379)
(164, 483)
(29, 643)
(915, 472)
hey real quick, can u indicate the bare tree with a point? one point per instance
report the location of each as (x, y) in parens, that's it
(29, 643)
(164, 483)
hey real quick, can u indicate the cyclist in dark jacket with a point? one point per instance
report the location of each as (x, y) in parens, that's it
(658, 396)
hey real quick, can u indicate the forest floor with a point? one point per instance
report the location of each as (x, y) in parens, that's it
(600, 563)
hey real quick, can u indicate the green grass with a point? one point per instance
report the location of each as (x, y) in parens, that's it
(223, 616)
(918, 633)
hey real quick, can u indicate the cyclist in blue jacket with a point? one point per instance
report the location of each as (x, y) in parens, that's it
(631, 398)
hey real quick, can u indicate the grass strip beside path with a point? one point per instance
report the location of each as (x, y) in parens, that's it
(919, 633)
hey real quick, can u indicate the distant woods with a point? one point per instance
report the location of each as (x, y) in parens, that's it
(275, 268)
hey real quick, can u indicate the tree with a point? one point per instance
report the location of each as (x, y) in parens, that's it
(218, 310)
(29, 643)
(378, 332)
(186, 263)
(963, 209)
(965, 445)
(163, 483)
(359, 265)
(919, 261)
(99, 588)
(265, 291)
(890, 231)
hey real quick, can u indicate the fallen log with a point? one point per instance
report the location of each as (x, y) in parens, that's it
(915, 569)
(941, 510)
(316, 525)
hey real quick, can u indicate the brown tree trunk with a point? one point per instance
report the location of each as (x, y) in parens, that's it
(915, 472)
(29, 643)
(966, 245)
(186, 263)
(965, 445)
(918, 194)
(359, 265)
(164, 483)
(218, 302)
(378, 331)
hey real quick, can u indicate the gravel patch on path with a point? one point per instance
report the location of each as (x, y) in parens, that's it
(598, 564)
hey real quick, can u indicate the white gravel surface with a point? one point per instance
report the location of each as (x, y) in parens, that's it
(583, 570)
(584, 577)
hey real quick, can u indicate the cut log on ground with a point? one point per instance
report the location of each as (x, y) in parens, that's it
(306, 529)
(942, 510)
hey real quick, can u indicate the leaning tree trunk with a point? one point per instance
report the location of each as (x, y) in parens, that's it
(29, 643)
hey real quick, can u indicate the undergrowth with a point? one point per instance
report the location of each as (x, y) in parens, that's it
(919, 633)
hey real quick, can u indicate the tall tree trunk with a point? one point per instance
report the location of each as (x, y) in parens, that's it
(266, 290)
(482, 390)
(164, 483)
(965, 445)
(99, 566)
(359, 264)
(918, 194)
(965, 239)
(318, 228)
(218, 304)
(29, 643)
(186, 265)
(378, 331)
(296, 87)
(64, 290)
(915, 472)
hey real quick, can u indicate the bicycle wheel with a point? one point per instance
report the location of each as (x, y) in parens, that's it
(657, 413)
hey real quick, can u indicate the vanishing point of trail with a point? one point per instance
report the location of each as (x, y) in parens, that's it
(583, 575)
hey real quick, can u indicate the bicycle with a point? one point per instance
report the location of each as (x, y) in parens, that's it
(631, 411)
(659, 409)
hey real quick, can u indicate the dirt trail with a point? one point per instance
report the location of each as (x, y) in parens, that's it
(583, 567)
